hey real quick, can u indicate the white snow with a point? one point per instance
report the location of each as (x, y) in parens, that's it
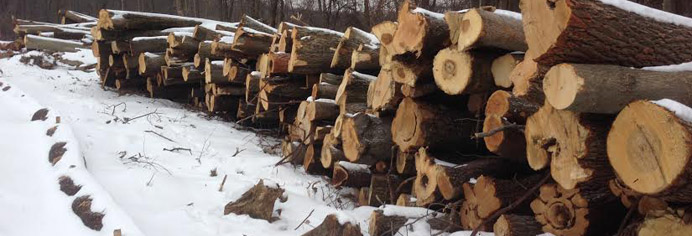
(681, 110)
(373, 40)
(82, 55)
(354, 166)
(436, 15)
(227, 39)
(515, 15)
(655, 14)
(687, 66)
(122, 163)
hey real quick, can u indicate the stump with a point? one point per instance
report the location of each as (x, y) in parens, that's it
(258, 202)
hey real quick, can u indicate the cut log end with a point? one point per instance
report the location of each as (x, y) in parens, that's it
(561, 85)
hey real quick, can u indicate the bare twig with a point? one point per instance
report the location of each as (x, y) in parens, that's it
(237, 151)
(127, 120)
(222, 183)
(304, 220)
(513, 205)
(178, 149)
(497, 130)
(160, 135)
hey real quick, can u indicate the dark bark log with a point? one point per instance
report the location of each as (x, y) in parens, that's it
(258, 202)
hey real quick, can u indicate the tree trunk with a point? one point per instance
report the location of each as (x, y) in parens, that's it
(351, 175)
(608, 89)
(594, 32)
(648, 148)
(51, 44)
(366, 139)
(485, 29)
(311, 50)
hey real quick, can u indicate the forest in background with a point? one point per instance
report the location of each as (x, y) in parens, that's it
(333, 14)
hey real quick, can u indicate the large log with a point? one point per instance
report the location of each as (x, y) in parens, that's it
(576, 212)
(366, 139)
(608, 89)
(130, 20)
(498, 29)
(458, 72)
(249, 22)
(596, 32)
(150, 63)
(420, 32)
(52, 44)
(648, 146)
(385, 93)
(572, 144)
(311, 52)
(419, 124)
(352, 39)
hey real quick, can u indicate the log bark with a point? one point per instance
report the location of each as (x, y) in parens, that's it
(213, 72)
(331, 151)
(330, 226)
(247, 21)
(366, 139)
(653, 157)
(382, 189)
(251, 42)
(381, 224)
(365, 58)
(458, 72)
(425, 185)
(51, 44)
(258, 202)
(516, 225)
(573, 144)
(385, 93)
(595, 32)
(608, 89)
(311, 51)
(419, 124)
(351, 175)
(352, 39)
(130, 20)
(155, 44)
(408, 71)
(503, 66)
(487, 29)
(354, 87)
(420, 32)
(450, 179)
(150, 63)
(577, 211)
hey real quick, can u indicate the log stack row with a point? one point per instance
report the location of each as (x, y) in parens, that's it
(72, 34)
(544, 121)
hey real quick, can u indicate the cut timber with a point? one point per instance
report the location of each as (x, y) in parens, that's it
(405, 162)
(516, 225)
(527, 79)
(366, 139)
(458, 72)
(51, 44)
(576, 212)
(384, 32)
(251, 42)
(670, 224)
(222, 103)
(331, 152)
(608, 89)
(420, 90)
(294, 152)
(68, 16)
(503, 66)
(382, 189)
(130, 20)
(355, 86)
(352, 39)
(311, 163)
(278, 63)
(502, 110)
(331, 226)
(311, 52)
(213, 72)
(453, 20)
(148, 44)
(419, 124)
(597, 32)
(351, 175)
(425, 185)
(203, 33)
(408, 71)
(331, 78)
(381, 224)
(120, 47)
(386, 94)
(324, 91)
(573, 144)
(150, 63)
(451, 178)
(485, 29)
(101, 48)
(322, 109)
(204, 52)
(366, 58)
(258, 202)
(247, 21)
(420, 31)
(648, 146)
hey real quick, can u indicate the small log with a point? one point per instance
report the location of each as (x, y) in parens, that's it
(527, 79)
(204, 52)
(383, 189)
(251, 42)
(156, 44)
(322, 109)
(405, 162)
(120, 47)
(355, 85)
(577, 211)
(130, 20)
(131, 63)
(419, 31)
(150, 63)
(311, 163)
(324, 91)
(381, 224)
(672, 223)
(203, 33)
(278, 63)
(293, 152)
(363, 196)
(213, 72)
(175, 92)
(573, 144)
(450, 179)
(502, 110)
(351, 175)
(51, 44)
(453, 20)
(411, 72)
(331, 151)
(68, 17)
(595, 32)
(192, 75)
(405, 200)
(516, 225)
(425, 185)
(366, 139)
(608, 89)
(384, 32)
(249, 22)
(258, 202)
(331, 226)
(311, 50)
(486, 29)
(503, 66)
(421, 90)
(365, 58)
(352, 39)
(222, 103)
(101, 48)
(458, 72)
(386, 94)
(653, 158)
(252, 87)
(419, 124)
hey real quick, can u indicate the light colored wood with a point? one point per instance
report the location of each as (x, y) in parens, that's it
(486, 29)
(458, 72)
(502, 68)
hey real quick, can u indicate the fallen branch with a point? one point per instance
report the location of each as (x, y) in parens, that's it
(160, 135)
(222, 183)
(178, 149)
(497, 130)
(306, 218)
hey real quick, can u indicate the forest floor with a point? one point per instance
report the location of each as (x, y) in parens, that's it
(146, 163)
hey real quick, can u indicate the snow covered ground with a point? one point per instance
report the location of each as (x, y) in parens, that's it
(117, 150)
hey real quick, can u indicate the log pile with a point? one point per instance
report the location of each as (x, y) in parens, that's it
(460, 113)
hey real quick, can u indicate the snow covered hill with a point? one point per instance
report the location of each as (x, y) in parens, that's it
(146, 163)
